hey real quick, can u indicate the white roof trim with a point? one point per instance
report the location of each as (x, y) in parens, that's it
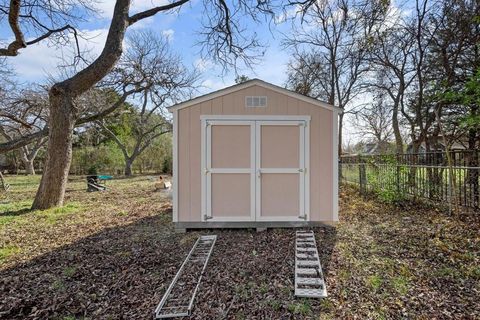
(247, 84)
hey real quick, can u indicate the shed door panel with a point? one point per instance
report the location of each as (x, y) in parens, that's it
(230, 146)
(280, 152)
(230, 195)
(280, 195)
(230, 171)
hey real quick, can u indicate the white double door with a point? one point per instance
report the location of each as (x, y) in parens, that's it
(255, 170)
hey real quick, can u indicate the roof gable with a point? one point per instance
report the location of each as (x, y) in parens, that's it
(247, 84)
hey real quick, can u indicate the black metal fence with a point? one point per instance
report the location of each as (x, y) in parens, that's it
(424, 175)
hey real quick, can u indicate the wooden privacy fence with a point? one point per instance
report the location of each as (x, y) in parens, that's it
(423, 175)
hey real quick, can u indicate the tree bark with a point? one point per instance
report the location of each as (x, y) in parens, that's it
(59, 151)
(396, 130)
(29, 167)
(128, 167)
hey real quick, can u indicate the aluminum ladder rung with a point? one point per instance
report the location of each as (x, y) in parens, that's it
(307, 263)
(306, 271)
(309, 280)
(200, 253)
(310, 293)
(316, 281)
(307, 256)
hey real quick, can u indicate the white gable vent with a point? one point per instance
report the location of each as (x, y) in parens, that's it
(256, 101)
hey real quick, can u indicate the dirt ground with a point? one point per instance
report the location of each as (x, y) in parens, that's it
(111, 255)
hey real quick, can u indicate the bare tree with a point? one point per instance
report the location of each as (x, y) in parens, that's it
(34, 21)
(25, 111)
(148, 60)
(374, 123)
(419, 112)
(391, 56)
(330, 47)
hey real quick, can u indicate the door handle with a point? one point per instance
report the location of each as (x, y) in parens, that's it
(300, 170)
(259, 173)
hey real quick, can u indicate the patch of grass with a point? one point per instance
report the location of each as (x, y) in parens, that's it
(326, 305)
(446, 272)
(8, 251)
(286, 290)
(54, 214)
(263, 288)
(69, 271)
(379, 315)
(344, 274)
(242, 291)
(374, 282)
(474, 272)
(58, 285)
(14, 208)
(123, 213)
(401, 284)
(275, 304)
(302, 308)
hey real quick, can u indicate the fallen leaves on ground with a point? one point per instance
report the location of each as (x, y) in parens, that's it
(114, 256)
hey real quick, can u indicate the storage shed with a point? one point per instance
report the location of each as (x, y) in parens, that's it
(254, 155)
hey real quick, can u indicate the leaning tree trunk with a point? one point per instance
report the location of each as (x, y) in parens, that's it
(59, 151)
(62, 111)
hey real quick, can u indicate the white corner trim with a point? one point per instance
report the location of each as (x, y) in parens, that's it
(203, 165)
(175, 166)
(335, 166)
(247, 84)
(307, 170)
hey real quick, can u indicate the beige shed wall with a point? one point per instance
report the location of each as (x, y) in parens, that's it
(189, 147)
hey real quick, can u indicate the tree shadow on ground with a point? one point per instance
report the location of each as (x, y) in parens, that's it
(15, 213)
(122, 272)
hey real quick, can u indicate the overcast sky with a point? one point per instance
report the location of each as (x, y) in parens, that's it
(37, 62)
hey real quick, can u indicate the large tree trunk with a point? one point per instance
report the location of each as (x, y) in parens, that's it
(59, 151)
(62, 111)
(128, 167)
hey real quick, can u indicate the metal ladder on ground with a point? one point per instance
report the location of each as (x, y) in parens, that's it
(180, 295)
(309, 280)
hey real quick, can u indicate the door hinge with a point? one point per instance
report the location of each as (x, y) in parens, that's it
(205, 217)
(206, 171)
(300, 170)
(304, 217)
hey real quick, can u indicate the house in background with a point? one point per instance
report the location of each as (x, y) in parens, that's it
(438, 145)
(254, 155)
(377, 148)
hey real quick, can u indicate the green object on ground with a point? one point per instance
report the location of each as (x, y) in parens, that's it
(105, 177)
